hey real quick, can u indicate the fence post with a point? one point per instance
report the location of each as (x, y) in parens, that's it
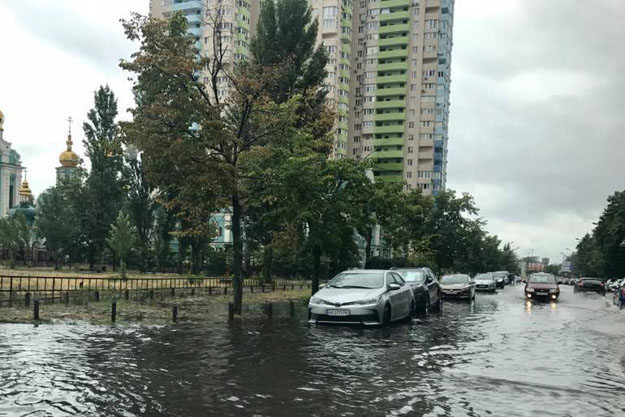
(292, 308)
(284, 287)
(27, 299)
(210, 290)
(11, 292)
(269, 310)
(193, 292)
(262, 287)
(252, 289)
(113, 311)
(36, 310)
(174, 314)
(126, 294)
(66, 299)
(53, 285)
(96, 295)
(273, 287)
(151, 294)
(225, 290)
(230, 312)
(173, 292)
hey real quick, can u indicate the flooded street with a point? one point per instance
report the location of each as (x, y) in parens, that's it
(497, 356)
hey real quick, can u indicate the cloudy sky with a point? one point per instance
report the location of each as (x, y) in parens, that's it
(536, 118)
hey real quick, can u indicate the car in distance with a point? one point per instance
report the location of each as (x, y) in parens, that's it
(542, 286)
(369, 297)
(457, 286)
(587, 284)
(501, 278)
(425, 287)
(485, 282)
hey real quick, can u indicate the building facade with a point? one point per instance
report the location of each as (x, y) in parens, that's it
(388, 75)
(10, 173)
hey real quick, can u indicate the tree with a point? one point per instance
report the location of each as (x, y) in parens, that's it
(55, 224)
(103, 188)
(122, 239)
(14, 235)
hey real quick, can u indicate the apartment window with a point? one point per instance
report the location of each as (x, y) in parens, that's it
(410, 149)
(425, 136)
(429, 73)
(431, 23)
(409, 162)
(415, 49)
(410, 137)
(375, 12)
(367, 123)
(414, 74)
(413, 87)
(369, 99)
(368, 111)
(356, 139)
(424, 174)
(370, 88)
(410, 125)
(330, 15)
(427, 111)
(331, 74)
(426, 123)
(372, 61)
(408, 174)
(371, 50)
(357, 126)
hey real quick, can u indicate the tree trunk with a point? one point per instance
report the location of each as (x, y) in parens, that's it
(195, 248)
(368, 237)
(56, 261)
(267, 264)
(237, 245)
(316, 253)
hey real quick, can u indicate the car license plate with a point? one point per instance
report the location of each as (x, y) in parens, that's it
(335, 312)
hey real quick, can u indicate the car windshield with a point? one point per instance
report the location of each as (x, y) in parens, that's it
(454, 279)
(542, 279)
(412, 276)
(358, 280)
(484, 277)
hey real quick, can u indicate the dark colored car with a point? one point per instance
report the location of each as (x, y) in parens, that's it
(501, 278)
(587, 284)
(458, 286)
(425, 287)
(542, 286)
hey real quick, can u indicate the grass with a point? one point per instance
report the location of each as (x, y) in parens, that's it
(159, 311)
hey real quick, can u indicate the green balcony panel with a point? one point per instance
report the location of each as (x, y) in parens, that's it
(391, 104)
(395, 53)
(389, 129)
(394, 179)
(389, 166)
(385, 117)
(388, 142)
(387, 154)
(396, 40)
(393, 66)
(394, 91)
(398, 15)
(344, 100)
(389, 79)
(397, 28)
(394, 3)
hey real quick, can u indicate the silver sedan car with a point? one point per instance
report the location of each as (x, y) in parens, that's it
(369, 297)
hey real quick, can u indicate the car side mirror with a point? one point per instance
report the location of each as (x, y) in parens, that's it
(321, 286)
(393, 287)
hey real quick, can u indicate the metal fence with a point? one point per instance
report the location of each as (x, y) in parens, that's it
(14, 288)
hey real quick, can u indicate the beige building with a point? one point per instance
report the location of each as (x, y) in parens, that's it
(10, 173)
(388, 76)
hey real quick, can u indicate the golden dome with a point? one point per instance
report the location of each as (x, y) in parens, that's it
(69, 158)
(25, 189)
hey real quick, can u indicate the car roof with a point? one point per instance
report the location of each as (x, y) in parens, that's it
(363, 271)
(416, 268)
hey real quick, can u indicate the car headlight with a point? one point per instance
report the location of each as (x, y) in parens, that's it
(316, 300)
(369, 301)
(553, 290)
(529, 289)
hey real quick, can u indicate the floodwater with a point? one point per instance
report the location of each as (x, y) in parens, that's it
(497, 356)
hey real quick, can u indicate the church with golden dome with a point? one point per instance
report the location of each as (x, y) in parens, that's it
(10, 173)
(69, 161)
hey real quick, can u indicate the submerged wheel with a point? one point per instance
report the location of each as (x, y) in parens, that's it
(413, 310)
(386, 320)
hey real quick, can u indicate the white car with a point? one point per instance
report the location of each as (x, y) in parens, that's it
(369, 297)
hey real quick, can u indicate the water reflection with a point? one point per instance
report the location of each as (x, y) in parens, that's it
(494, 356)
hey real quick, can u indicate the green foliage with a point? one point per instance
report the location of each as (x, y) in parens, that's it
(602, 252)
(103, 191)
(122, 239)
(14, 235)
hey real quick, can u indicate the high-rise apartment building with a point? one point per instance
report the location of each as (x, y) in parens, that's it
(388, 76)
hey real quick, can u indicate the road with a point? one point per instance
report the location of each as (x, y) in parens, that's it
(497, 356)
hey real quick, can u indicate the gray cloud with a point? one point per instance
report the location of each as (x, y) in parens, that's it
(536, 120)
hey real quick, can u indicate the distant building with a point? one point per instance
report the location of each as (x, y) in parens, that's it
(69, 162)
(10, 173)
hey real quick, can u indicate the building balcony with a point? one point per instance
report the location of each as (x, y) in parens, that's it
(386, 117)
(389, 166)
(391, 79)
(396, 40)
(399, 15)
(187, 6)
(389, 129)
(394, 3)
(194, 18)
(397, 28)
(388, 142)
(394, 53)
(390, 104)
(196, 32)
(387, 154)
(395, 179)
(393, 66)
(395, 91)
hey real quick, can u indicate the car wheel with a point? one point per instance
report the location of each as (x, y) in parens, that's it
(413, 310)
(438, 307)
(473, 296)
(386, 320)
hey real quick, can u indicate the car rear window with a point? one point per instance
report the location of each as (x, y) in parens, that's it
(412, 276)
(454, 279)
